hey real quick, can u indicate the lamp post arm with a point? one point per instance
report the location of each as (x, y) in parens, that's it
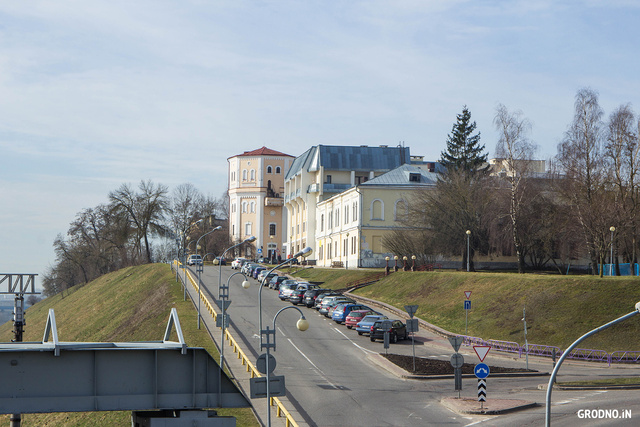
(568, 350)
(276, 316)
(250, 239)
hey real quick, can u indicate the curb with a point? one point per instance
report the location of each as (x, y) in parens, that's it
(464, 406)
(590, 387)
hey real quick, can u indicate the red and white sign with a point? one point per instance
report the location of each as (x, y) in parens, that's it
(481, 351)
(467, 294)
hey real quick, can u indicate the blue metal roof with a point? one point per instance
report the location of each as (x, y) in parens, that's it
(401, 176)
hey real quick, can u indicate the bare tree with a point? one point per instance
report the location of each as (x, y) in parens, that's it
(583, 163)
(516, 152)
(623, 150)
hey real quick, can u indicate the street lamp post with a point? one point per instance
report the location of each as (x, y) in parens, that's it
(395, 259)
(413, 266)
(386, 269)
(184, 255)
(405, 267)
(200, 267)
(468, 253)
(552, 379)
(304, 253)
(224, 302)
(611, 229)
(302, 324)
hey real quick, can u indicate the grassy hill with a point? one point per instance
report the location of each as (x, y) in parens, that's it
(132, 304)
(559, 308)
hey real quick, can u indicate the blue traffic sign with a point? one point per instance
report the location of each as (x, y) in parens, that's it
(481, 370)
(467, 304)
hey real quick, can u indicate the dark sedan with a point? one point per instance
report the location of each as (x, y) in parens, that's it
(397, 330)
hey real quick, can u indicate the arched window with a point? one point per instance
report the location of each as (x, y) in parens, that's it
(377, 209)
(253, 207)
(400, 210)
(244, 174)
(244, 207)
(269, 169)
(277, 169)
(253, 174)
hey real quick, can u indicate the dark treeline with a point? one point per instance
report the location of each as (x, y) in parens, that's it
(584, 206)
(137, 225)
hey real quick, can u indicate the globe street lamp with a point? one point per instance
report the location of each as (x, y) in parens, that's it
(386, 269)
(405, 267)
(395, 268)
(200, 267)
(304, 253)
(413, 266)
(468, 253)
(302, 324)
(611, 229)
(224, 302)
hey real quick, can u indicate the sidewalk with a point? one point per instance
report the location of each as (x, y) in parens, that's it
(238, 371)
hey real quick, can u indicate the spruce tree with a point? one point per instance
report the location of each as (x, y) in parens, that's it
(464, 152)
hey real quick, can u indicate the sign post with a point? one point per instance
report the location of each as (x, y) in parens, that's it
(467, 307)
(457, 361)
(481, 371)
(412, 326)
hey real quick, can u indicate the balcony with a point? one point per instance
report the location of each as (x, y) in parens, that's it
(274, 201)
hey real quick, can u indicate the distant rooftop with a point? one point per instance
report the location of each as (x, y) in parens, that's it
(264, 151)
(405, 175)
(350, 158)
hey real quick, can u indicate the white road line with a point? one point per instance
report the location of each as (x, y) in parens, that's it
(366, 350)
(318, 370)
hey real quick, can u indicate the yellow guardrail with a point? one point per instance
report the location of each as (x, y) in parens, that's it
(281, 411)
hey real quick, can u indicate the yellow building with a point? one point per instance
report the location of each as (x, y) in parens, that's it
(351, 225)
(256, 202)
(324, 171)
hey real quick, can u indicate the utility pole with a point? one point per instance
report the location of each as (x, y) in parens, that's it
(19, 285)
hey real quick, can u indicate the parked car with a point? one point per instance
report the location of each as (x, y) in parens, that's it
(296, 296)
(355, 316)
(306, 286)
(256, 271)
(311, 295)
(364, 325)
(322, 296)
(332, 304)
(323, 307)
(237, 263)
(285, 290)
(219, 261)
(265, 278)
(194, 260)
(340, 313)
(275, 281)
(397, 331)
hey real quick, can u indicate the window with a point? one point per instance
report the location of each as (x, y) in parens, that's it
(253, 207)
(401, 210)
(269, 169)
(253, 174)
(277, 169)
(414, 177)
(244, 207)
(330, 246)
(328, 181)
(272, 229)
(353, 245)
(322, 222)
(345, 249)
(377, 209)
(233, 176)
(320, 252)
(330, 218)
(355, 211)
(337, 217)
(247, 229)
(233, 207)
(346, 214)
(244, 174)
(233, 230)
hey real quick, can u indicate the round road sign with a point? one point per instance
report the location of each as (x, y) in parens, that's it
(261, 363)
(457, 360)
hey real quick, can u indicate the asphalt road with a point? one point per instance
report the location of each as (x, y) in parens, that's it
(331, 381)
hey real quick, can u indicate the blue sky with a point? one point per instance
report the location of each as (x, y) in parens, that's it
(97, 94)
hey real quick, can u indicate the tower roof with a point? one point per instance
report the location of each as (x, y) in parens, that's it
(264, 151)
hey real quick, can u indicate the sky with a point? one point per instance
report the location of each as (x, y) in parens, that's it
(96, 94)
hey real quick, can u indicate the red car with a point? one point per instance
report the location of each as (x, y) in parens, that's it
(355, 316)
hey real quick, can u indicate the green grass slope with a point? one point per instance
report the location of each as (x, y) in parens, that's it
(132, 304)
(560, 309)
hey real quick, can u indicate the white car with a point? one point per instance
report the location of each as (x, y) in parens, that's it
(237, 263)
(194, 260)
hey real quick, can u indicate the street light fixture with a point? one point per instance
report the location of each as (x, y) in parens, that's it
(413, 266)
(303, 253)
(395, 258)
(611, 229)
(200, 267)
(302, 324)
(552, 379)
(386, 269)
(468, 253)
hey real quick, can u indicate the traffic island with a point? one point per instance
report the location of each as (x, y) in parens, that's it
(467, 405)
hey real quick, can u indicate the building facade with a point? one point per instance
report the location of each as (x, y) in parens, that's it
(352, 225)
(324, 171)
(256, 201)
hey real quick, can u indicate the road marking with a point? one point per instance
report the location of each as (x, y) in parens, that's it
(366, 350)
(318, 370)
